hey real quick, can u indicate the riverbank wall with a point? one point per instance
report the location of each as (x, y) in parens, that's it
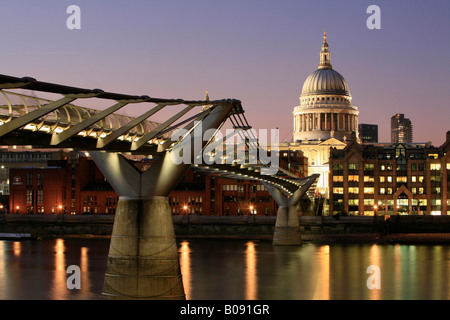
(257, 227)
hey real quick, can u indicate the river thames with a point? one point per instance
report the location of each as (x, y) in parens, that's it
(239, 270)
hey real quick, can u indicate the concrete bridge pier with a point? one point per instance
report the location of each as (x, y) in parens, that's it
(287, 226)
(143, 255)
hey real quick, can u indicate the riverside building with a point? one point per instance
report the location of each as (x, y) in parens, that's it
(401, 178)
(75, 185)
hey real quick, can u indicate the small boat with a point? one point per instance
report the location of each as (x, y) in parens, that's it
(15, 236)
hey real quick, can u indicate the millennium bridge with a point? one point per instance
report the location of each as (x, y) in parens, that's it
(143, 257)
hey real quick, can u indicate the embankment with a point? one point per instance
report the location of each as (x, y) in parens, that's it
(313, 228)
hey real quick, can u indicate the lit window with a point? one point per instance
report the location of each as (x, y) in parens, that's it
(353, 190)
(382, 178)
(389, 178)
(435, 202)
(435, 166)
(382, 190)
(354, 178)
(369, 190)
(338, 190)
(435, 178)
(401, 179)
(353, 166)
(29, 196)
(435, 190)
(413, 179)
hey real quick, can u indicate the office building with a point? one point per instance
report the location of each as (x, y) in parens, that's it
(368, 133)
(401, 129)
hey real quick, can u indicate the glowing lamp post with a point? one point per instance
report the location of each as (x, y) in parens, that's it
(185, 208)
(252, 212)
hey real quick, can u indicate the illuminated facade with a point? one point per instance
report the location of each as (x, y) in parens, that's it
(410, 179)
(325, 117)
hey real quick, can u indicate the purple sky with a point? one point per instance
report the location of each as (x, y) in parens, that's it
(258, 51)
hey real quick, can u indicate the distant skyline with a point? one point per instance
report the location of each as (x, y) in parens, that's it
(259, 52)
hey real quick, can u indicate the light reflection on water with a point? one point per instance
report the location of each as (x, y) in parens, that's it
(239, 270)
(253, 270)
(32, 270)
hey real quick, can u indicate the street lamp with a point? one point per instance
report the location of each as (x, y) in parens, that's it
(376, 209)
(60, 209)
(185, 207)
(252, 212)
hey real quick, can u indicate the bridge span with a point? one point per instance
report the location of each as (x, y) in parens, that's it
(143, 258)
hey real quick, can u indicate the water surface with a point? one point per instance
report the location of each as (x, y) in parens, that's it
(231, 269)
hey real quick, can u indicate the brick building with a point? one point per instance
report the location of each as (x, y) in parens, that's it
(394, 179)
(75, 185)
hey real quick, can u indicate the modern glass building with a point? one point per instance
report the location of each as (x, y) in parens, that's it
(401, 129)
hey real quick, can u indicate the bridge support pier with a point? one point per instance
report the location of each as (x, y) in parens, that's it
(287, 226)
(143, 256)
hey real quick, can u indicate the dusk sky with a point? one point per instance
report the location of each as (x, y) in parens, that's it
(257, 51)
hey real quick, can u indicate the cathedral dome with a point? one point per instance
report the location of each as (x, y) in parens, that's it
(325, 108)
(325, 81)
